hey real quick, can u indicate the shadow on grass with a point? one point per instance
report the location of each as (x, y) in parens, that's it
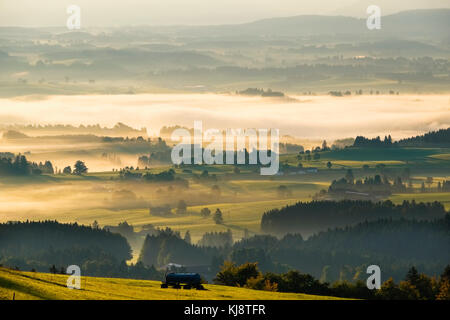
(8, 284)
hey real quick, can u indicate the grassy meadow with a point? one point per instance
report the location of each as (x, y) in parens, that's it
(43, 286)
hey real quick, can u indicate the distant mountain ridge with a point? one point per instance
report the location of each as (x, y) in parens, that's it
(433, 23)
(414, 23)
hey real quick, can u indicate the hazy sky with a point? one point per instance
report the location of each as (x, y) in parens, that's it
(192, 12)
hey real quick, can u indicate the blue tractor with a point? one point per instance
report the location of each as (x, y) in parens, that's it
(185, 280)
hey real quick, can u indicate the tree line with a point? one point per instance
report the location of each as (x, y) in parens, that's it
(217, 239)
(434, 138)
(20, 166)
(414, 286)
(378, 186)
(336, 254)
(307, 217)
(39, 244)
(163, 176)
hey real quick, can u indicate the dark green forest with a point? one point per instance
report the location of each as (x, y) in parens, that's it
(414, 285)
(52, 246)
(20, 166)
(338, 254)
(439, 138)
(304, 217)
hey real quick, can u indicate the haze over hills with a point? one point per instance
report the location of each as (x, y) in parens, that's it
(358, 7)
(105, 13)
(357, 149)
(308, 53)
(410, 24)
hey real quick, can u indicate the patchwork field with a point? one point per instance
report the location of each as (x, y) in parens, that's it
(243, 198)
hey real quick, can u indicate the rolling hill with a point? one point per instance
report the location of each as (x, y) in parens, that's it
(45, 286)
(432, 23)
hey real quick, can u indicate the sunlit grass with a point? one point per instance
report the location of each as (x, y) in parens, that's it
(31, 285)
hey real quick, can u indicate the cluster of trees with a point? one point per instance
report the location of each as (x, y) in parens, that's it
(138, 139)
(181, 208)
(260, 92)
(129, 174)
(205, 176)
(205, 212)
(339, 93)
(361, 141)
(45, 167)
(154, 148)
(357, 92)
(307, 217)
(314, 153)
(155, 157)
(313, 150)
(433, 138)
(415, 286)
(20, 166)
(163, 176)
(378, 185)
(166, 209)
(216, 239)
(79, 168)
(443, 186)
(119, 128)
(217, 216)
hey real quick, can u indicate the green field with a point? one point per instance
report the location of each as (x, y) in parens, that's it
(244, 196)
(37, 286)
(237, 217)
